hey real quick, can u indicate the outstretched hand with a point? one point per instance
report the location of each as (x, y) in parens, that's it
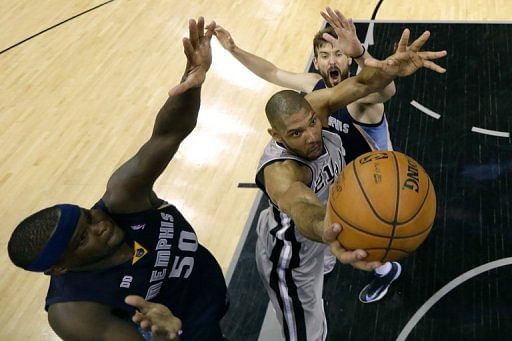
(354, 258)
(408, 58)
(347, 41)
(155, 317)
(199, 55)
(224, 38)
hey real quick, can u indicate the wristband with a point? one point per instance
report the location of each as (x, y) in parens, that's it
(364, 51)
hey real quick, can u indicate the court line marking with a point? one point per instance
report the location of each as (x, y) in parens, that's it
(425, 110)
(446, 289)
(54, 26)
(376, 10)
(490, 132)
(247, 185)
(241, 242)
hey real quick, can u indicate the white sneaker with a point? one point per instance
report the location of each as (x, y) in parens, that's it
(378, 288)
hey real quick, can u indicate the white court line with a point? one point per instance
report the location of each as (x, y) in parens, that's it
(425, 110)
(368, 40)
(490, 132)
(446, 289)
(243, 237)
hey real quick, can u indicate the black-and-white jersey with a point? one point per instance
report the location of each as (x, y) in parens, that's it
(169, 266)
(358, 138)
(290, 264)
(324, 170)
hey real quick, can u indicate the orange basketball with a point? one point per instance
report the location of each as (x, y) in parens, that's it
(385, 203)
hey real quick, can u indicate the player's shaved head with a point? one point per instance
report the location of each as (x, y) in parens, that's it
(283, 104)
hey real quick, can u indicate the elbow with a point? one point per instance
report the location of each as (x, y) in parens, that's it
(270, 74)
(187, 128)
(391, 90)
(364, 90)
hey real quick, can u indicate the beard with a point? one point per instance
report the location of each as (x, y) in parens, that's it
(333, 76)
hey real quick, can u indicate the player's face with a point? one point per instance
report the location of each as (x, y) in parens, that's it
(95, 240)
(332, 64)
(302, 134)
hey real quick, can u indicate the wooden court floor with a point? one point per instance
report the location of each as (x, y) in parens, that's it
(80, 98)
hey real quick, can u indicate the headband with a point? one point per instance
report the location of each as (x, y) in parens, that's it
(59, 240)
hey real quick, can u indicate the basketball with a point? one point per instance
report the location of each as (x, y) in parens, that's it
(385, 203)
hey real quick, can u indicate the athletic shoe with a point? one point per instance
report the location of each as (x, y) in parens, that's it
(378, 288)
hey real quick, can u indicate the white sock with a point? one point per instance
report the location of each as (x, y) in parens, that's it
(383, 269)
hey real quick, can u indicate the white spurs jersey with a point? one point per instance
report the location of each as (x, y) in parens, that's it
(324, 170)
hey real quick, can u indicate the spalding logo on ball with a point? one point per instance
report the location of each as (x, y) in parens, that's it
(385, 203)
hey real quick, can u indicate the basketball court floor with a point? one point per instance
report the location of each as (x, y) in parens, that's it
(80, 97)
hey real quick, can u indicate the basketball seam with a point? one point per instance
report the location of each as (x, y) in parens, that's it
(393, 230)
(365, 196)
(398, 184)
(422, 203)
(359, 229)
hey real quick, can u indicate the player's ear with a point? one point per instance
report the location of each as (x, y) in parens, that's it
(275, 135)
(315, 63)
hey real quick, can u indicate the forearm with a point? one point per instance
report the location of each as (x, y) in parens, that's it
(388, 91)
(257, 65)
(84, 320)
(178, 116)
(309, 219)
(373, 80)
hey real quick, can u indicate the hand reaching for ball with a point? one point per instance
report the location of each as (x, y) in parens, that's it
(354, 258)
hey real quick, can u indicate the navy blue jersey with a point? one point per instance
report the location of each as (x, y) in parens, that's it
(169, 266)
(358, 138)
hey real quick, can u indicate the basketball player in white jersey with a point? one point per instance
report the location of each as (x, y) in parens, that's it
(362, 124)
(295, 172)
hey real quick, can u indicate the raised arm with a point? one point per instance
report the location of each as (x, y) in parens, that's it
(286, 184)
(349, 43)
(89, 321)
(264, 69)
(130, 187)
(376, 75)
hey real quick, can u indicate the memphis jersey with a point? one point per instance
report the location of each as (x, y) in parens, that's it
(324, 170)
(169, 266)
(358, 138)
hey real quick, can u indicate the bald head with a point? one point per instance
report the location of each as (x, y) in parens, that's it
(283, 104)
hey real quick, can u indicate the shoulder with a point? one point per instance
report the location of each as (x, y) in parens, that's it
(319, 82)
(124, 202)
(288, 170)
